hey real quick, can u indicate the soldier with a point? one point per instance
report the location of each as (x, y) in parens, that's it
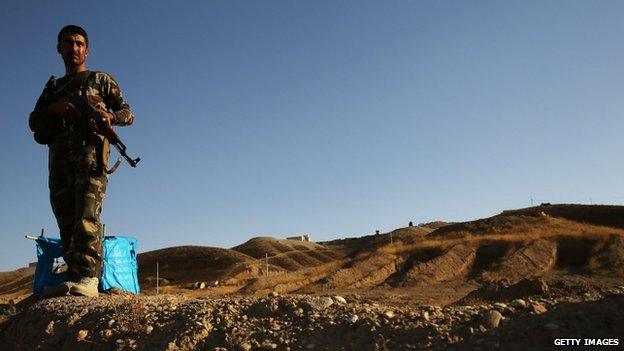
(77, 159)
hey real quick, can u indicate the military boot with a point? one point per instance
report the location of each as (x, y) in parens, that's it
(58, 290)
(86, 286)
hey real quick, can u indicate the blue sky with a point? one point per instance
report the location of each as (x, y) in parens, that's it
(333, 118)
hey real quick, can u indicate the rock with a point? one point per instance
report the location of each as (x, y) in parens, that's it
(107, 333)
(111, 322)
(500, 306)
(518, 303)
(268, 345)
(425, 315)
(82, 334)
(538, 308)
(149, 329)
(389, 314)
(50, 328)
(340, 299)
(244, 346)
(353, 318)
(550, 326)
(273, 294)
(492, 318)
(320, 303)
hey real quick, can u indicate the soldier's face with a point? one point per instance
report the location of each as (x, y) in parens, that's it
(73, 48)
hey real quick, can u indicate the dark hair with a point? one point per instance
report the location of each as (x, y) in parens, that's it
(73, 29)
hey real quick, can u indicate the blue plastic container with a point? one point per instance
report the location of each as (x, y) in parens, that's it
(119, 264)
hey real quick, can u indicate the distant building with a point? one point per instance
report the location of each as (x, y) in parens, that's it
(304, 237)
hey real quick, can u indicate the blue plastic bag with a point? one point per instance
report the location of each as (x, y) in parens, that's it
(48, 250)
(119, 264)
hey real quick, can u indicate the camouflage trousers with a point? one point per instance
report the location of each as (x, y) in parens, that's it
(77, 185)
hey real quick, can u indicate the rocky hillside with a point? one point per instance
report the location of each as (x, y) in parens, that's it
(482, 284)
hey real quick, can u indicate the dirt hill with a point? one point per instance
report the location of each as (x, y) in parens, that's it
(188, 264)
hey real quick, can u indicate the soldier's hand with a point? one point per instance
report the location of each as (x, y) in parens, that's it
(107, 117)
(61, 108)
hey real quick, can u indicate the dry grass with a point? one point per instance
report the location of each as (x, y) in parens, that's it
(549, 227)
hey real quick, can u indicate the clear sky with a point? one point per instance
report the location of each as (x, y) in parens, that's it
(332, 118)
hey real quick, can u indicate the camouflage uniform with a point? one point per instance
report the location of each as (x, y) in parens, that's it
(77, 162)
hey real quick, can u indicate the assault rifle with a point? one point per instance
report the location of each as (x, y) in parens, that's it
(95, 124)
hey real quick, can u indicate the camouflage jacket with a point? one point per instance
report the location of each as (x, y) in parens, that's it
(101, 90)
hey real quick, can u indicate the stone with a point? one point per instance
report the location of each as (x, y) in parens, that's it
(245, 346)
(340, 299)
(320, 303)
(82, 335)
(268, 345)
(353, 318)
(425, 316)
(50, 328)
(538, 308)
(492, 318)
(389, 314)
(500, 306)
(107, 333)
(149, 329)
(550, 326)
(518, 303)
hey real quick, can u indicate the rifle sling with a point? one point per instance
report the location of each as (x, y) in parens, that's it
(114, 168)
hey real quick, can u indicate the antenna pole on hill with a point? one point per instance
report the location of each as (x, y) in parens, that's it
(157, 277)
(266, 257)
(42, 230)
